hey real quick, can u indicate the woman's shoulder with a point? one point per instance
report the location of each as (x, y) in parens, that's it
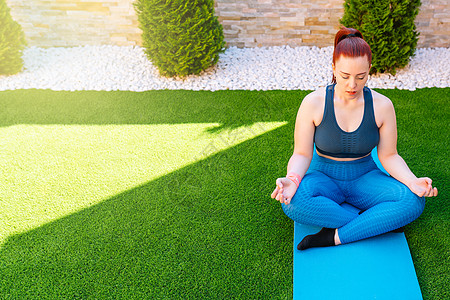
(312, 106)
(381, 102)
(315, 98)
(383, 108)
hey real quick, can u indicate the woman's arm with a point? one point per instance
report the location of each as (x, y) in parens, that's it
(303, 137)
(387, 150)
(303, 148)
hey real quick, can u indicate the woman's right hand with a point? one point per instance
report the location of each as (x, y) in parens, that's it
(285, 190)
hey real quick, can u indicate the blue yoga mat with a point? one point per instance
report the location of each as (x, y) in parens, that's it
(376, 268)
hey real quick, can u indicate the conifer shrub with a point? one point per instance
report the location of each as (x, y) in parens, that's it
(388, 27)
(12, 42)
(180, 37)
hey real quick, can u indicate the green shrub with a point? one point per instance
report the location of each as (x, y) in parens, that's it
(388, 27)
(180, 37)
(12, 42)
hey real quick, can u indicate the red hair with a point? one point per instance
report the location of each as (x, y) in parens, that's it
(350, 42)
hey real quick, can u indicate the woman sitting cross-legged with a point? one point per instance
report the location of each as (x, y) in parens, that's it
(345, 121)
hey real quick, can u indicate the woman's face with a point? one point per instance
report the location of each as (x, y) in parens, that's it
(351, 75)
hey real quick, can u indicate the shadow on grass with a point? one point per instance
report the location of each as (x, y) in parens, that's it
(229, 109)
(204, 231)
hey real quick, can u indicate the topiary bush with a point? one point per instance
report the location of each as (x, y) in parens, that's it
(12, 42)
(180, 37)
(388, 27)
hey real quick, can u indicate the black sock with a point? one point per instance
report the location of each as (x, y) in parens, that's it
(323, 238)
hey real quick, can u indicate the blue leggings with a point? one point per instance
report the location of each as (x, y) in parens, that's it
(388, 203)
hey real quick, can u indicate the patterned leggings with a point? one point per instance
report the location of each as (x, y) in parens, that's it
(388, 203)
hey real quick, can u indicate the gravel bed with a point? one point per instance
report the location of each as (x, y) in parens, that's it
(111, 68)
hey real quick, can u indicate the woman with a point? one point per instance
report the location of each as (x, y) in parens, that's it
(345, 121)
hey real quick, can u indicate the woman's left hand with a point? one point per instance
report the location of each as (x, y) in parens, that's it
(422, 187)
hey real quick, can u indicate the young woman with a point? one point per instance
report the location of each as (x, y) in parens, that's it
(345, 121)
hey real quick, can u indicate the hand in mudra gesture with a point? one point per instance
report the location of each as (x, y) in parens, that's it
(285, 190)
(422, 187)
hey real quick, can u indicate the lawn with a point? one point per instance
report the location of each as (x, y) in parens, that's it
(166, 194)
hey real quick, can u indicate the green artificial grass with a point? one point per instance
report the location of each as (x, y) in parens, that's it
(166, 194)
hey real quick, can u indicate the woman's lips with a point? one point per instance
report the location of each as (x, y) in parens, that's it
(351, 92)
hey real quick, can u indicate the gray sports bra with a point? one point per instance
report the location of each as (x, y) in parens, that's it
(331, 140)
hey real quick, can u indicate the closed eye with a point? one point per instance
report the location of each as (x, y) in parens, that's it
(347, 76)
(359, 78)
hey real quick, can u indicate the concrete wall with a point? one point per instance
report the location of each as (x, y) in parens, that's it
(247, 23)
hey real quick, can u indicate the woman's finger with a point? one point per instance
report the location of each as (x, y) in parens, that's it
(429, 190)
(274, 193)
(277, 189)
(432, 193)
(282, 198)
(279, 196)
(279, 183)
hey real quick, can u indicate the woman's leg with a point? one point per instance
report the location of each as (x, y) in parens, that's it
(317, 202)
(388, 205)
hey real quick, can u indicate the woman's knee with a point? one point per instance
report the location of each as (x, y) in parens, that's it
(296, 209)
(288, 210)
(300, 206)
(413, 204)
(418, 204)
(395, 191)
(307, 200)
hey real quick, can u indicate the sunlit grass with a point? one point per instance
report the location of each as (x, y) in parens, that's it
(50, 171)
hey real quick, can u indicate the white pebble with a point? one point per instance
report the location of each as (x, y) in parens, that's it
(112, 68)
